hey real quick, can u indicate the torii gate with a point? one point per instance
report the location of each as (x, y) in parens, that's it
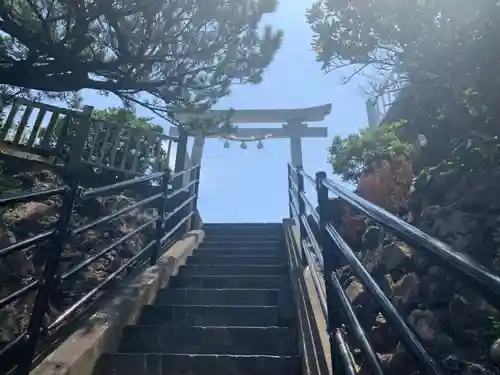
(294, 127)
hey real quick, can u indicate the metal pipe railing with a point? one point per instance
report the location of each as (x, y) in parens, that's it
(339, 313)
(170, 205)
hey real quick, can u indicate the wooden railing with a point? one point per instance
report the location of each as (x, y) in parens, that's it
(40, 128)
(133, 151)
(73, 135)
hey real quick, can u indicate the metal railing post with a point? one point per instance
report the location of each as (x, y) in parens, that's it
(290, 176)
(302, 213)
(196, 188)
(334, 318)
(160, 225)
(180, 156)
(49, 280)
(190, 206)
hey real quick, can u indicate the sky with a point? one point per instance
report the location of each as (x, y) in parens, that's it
(251, 185)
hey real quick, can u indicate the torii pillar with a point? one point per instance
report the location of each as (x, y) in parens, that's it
(294, 127)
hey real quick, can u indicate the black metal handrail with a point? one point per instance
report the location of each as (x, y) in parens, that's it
(21, 351)
(339, 313)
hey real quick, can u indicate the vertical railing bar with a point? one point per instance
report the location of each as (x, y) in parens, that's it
(302, 212)
(114, 146)
(49, 280)
(196, 188)
(346, 354)
(36, 126)
(48, 131)
(22, 124)
(64, 134)
(180, 156)
(334, 319)
(169, 152)
(106, 146)
(10, 120)
(97, 133)
(138, 145)
(290, 176)
(160, 226)
(127, 143)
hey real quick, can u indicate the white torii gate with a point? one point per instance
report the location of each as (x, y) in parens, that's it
(294, 127)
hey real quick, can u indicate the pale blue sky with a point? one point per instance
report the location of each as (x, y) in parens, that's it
(251, 185)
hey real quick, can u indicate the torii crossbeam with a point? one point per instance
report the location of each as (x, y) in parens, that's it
(294, 126)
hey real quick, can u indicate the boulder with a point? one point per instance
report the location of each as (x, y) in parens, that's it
(438, 287)
(356, 293)
(495, 352)
(428, 329)
(405, 292)
(395, 256)
(383, 337)
(455, 365)
(397, 363)
(469, 320)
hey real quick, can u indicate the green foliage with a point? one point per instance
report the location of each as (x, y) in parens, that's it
(165, 55)
(448, 54)
(493, 327)
(380, 32)
(127, 118)
(350, 156)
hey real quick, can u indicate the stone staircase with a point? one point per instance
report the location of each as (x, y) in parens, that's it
(229, 311)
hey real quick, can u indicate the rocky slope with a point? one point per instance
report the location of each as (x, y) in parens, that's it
(456, 326)
(24, 220)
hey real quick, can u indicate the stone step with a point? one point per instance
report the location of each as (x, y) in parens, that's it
(244, 238)
(250, 252)
(229, 282)
(204, 258)
(209, 270)
(276, 341)
(243, 229)
(181, 364)
(216, 316)
(243, 245)
(221, 297)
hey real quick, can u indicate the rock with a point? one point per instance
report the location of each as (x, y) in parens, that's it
(397, 363)
(495, 352)
(438, 286)
(456, 228)
(477, 369)
(382, 335)
(469, 321)
(405, 292)
(391, 257)
(458, 366)
(428, 329)
(372, 237)
(356, 293)
(24, 220)
(362, 303)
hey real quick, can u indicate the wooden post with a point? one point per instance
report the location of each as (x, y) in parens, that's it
(82, 134)
(180, 156)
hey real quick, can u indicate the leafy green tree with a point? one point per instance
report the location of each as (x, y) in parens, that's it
(448, 54)
(421, 36)
(352, 155)
(164, 55)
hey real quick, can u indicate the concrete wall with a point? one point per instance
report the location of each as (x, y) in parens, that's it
(314, 343)
(101, 333)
